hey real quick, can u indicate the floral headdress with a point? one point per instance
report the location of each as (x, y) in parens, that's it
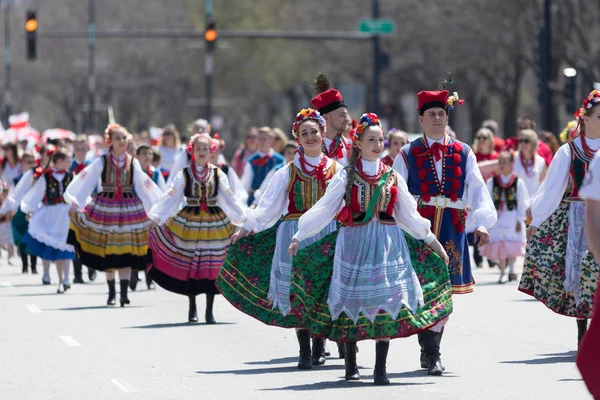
(110, 129)
(366, 120)
(587, 103)
(308, 114)
(190, 146)
(453, 100)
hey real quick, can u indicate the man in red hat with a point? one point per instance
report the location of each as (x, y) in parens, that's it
(442, 173)
(330, 104)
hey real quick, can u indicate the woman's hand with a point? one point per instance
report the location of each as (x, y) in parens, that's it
(72, 210)
(519, 227)
(242, 233)
(531, 231)
(482, 236)
(438, 249)
(28, 217)
(294, 246)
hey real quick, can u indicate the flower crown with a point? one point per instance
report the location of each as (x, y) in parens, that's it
(587, 103)
(213, 144)
(304, 115)
(453, 100)
(366, 120)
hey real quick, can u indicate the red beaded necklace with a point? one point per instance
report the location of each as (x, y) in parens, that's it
(374, 179)
(315, 168)
(203, 177)
(589, 153)
(118, 173)
(527, 164)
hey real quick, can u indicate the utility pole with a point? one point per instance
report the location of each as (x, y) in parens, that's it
(208, 58)
(548, 68)
(91, 63)
(376, 61)
(7, 61)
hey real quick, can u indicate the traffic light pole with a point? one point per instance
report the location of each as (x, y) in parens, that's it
(91, 63)
(376, 61)
(548, 68)
(7, 61)
(208, 62)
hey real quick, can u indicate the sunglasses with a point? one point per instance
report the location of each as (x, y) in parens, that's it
(482, 138)
(251, 137)
(524, 141)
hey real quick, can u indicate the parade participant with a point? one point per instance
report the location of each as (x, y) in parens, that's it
(216, 158)
(259, 164)
(507, 236)
(170, 146)
(542, 149)
(6, 237)
(529, 166)
(588, 359)
(279, 140)
(46, 236)
(12, 205)
(289, 152)
(189, 245)
(331, 106)
(293, 190)
(396, 140)
(559, 270)
(373, 274)
(247, 149)
(111, 232)
(493, 126)
(442, 174)
(10, 166)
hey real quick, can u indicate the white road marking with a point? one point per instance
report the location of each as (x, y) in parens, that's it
(124, 386)
(70, 341)
(5, 284)
(33, 308)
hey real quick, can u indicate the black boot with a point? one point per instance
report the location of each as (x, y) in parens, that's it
(341, 350)
(430, 352)
(318, 351)
(208, 316)
(352, 373)
(134, 280)
(33, 263)
(149, 283)
(112, 293)
(23, 255)
(77, 267)
(91, 274)
(193, 311)
(381, 352)
(582, 325)
(124, 287)
(304, 360)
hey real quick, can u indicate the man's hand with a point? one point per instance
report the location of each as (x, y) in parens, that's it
(482, 236)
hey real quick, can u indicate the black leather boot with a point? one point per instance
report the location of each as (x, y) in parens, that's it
(149, 283)
(304, 360)
(582, 325)
(208, 316)
(112, 293)
(318, 351)
(33, 263)
(124, 287)
(381, 352)
(92, 274)
(134, 280)
(193, 311)
(430, 352)
(352, 373)
(341, 350)
(77, 267)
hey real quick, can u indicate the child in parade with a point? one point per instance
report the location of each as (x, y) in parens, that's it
(189, 245)
(396, 139)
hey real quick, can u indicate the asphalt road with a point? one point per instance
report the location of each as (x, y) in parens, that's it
(499, 344)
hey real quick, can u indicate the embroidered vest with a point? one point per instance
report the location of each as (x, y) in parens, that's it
(199, 193)
(362, 195)
(261, 170)
(422, 177)
(55, 189)
(505, 194)
(578, 169)
(114, 179)
(304, 190)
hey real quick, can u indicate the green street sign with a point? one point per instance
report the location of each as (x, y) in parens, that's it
(377, 26)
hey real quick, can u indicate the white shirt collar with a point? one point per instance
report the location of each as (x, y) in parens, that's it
(370, 167)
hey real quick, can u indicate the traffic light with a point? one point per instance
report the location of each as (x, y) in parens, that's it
(210, 35)
(570, 90)
(31, 26)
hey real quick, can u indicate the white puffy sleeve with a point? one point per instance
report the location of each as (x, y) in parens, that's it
(477, 196)
(34, 196)
(272, 203)
(230, 204)
(590, 189)
(247, 177)
(550, 193)
(324, 211)
(522, 200)
(15, 194)
(84, 183)
(236, 186)
(170, 202)
(407, 217)
(145, 188)
(400, 165)
(162, 185)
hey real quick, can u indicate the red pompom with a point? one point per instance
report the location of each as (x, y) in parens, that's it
(456, 158)
(457, 147)
(38, 171)
(427, 211)
(426, 197)
(454, 196)
(393, 198)
(420, 162)
(354, 203)
(457, 171)
(422, 174)
(455, 185)
(424, 187)
(345, 216)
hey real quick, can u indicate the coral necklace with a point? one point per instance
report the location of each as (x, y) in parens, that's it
(374, 179)
(589, 153)
(203, 176)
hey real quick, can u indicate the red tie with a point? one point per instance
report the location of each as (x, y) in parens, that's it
(261, 161)
(438, 150)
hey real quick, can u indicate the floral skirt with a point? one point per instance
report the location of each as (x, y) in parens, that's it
(544, 269)
(311, 280)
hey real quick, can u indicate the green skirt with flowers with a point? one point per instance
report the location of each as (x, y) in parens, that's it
(245, 277)
(311, 275)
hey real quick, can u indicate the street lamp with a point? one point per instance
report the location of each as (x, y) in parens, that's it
(570, 72)
(570, 89)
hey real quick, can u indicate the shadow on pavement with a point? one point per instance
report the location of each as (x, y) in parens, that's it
(260, 371)
(420, 373)
(90, 308)
(283, 360)
(174, 325)
(555, 358)
(341, 384)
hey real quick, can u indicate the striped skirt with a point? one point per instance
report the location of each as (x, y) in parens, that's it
(188, 252)
(111, 233)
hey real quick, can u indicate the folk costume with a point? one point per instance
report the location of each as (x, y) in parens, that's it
(77, 167)
(246, 279)
(364, 281)
(443, 177)
(257, 168)
(189, 245)
(559, 269)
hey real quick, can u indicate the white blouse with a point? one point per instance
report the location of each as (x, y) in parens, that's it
(522, 194)
(534, 181)
(591, 186)
(86, 181)
(170, 202)
(16, 193)
(548, 197)
(275, 201)
(324, 211)
(168, 156)
(476, 194)
(33, 199)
